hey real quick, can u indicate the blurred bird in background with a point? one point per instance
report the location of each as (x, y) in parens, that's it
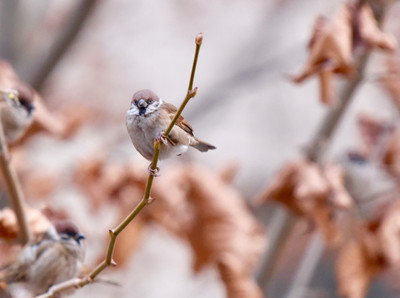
(54, 257)
(16, 112)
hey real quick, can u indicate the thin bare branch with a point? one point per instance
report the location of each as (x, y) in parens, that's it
(80, 282)
(13, 189)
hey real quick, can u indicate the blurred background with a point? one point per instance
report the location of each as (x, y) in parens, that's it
(87, 58)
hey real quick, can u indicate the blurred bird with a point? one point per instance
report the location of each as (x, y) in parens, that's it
(148, 117)
(16, 112)
(53, 258)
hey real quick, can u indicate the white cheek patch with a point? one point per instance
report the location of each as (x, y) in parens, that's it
(153, 107)
(133, 110)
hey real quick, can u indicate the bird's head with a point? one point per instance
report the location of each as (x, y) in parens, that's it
(144, 102)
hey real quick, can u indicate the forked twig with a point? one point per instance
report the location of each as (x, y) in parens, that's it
(80, 282)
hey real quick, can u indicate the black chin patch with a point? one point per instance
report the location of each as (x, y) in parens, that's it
(142, 111)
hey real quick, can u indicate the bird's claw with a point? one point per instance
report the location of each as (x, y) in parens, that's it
(154, 172)
(162, 139)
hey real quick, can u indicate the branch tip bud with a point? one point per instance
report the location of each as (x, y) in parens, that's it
(199, 39)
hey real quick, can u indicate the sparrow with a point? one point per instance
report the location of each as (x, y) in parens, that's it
(55, 257)
(146, 120)
(16, 112)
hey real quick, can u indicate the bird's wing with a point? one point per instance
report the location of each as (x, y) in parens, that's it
(181, 122)
(14, 272)
(17, 271)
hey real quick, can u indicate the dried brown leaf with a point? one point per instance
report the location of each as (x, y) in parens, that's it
(330, 51)
(333, 41)
(229, 232)
(303, 188)
(239, 285)
(172, 208)
(355, 268)
(201, 207)
(370, 32)
(335, 176)
(38, 223)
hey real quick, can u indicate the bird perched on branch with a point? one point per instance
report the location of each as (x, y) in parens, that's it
(53, 258)
(148, 117)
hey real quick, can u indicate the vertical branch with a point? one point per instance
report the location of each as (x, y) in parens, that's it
(324, 135)
(278, 232)
(80, 282)
(307, 266)
(13, 188)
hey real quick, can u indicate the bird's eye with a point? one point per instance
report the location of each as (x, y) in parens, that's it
(149, 101)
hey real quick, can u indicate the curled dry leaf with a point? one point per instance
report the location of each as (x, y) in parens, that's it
(355, 267)
(230, 234)
(330, 52)
(308, 191)
(370, 32)
(333, 42)
(238, 285)
(38, 223)
(374, 248)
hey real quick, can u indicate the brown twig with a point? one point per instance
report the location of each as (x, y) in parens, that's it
(15, 195)
(80, 282)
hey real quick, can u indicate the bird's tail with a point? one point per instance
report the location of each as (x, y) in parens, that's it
(202, 146)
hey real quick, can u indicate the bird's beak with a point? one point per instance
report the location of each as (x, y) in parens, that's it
(142, 104)
(79, 237)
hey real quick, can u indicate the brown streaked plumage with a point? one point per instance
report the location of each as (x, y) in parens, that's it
(149, 116)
